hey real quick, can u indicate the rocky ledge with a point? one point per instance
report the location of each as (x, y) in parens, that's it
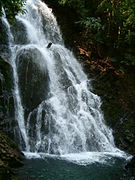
(10, 157)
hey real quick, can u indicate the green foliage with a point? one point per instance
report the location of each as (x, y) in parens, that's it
(62, 2)
(91, 23)
(122, 69)
(112, 22)
(11, 7)
(129, 59)
(77, 5)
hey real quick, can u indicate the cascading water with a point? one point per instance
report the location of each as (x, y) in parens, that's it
(19, 113)
(67, 120)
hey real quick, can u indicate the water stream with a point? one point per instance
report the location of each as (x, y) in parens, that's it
(60, 117)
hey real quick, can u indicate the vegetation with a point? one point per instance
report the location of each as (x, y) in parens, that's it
(105, 22)
(11, 7)
(112, 24)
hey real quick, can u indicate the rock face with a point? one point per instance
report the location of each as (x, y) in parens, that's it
(33, 78)
(10, 156)
(6, 84)
(118, 96)
(130, 168)
(33, 83)
(3, 34)
(19, 32)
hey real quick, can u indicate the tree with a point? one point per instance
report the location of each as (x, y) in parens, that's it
(108, 22)
(11, 7)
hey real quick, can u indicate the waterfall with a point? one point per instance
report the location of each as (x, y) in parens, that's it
(19, 113)
(60, 115)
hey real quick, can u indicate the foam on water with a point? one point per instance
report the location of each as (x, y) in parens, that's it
(84, 158)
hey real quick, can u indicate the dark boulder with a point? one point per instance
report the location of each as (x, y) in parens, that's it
(33, 78)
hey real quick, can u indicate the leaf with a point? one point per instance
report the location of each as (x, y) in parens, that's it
(122, 69)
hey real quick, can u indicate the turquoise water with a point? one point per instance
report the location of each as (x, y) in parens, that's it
(54, 169)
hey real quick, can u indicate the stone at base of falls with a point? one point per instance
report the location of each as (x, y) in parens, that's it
(130, 168)
(10, 157)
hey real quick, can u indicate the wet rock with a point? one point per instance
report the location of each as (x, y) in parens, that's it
(3, 34)
(6, 83)
(5, 75)
(19, 32)
(6, 97)
(10, 156)
(130, 169)
(33, 78)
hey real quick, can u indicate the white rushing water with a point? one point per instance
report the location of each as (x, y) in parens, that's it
(19, 113)
(75, 123)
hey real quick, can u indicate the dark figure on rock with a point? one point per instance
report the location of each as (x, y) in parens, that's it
(49, 45)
